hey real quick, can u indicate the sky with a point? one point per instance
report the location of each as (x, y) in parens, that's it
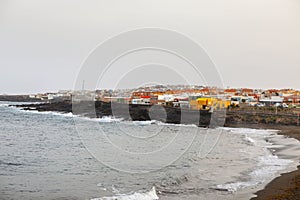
(43, 44)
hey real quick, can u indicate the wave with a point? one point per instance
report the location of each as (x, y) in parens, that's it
(10, 163)
(267, 166)
(249, 131)
(48, 113)
(144, 123)
(156, 123)
(249, 140)
(104, 119)
(233, 187)
(151, 195)
(179, 125)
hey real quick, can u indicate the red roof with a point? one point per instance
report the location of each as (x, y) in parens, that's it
(145, 97)
(230, 90)
(247, 90)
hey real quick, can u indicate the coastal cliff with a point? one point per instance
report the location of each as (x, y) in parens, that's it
(174, 115)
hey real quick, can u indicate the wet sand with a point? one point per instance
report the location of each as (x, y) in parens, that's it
(286, 186)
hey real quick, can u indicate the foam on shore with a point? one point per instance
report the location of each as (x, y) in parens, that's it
(151, 195)
(268, 166)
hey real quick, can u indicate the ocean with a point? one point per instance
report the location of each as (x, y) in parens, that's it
(60, 156)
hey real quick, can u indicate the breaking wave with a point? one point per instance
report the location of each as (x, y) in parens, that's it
(267, 166)
(151, 195)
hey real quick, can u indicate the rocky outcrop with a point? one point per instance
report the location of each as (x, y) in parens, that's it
(100, 109)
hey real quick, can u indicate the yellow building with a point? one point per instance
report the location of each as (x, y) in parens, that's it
(206, 103)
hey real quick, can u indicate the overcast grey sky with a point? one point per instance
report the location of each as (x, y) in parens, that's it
(254, 43)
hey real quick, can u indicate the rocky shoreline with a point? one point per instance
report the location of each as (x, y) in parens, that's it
(100, 109)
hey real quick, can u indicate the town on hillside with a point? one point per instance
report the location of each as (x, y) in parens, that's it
(192, 97)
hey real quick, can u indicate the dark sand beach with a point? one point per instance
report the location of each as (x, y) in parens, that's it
(286, 186)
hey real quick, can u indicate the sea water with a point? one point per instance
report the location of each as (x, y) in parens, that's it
(60, 156)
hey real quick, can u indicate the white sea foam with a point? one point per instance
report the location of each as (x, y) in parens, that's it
(249, 140)
(61, 114)
(104, 119)
(151, 195)
(180, 125)
(233, 187)
(267, 166)
(144, 123)
(250, 131)
(49, 113)
(100, 185)
(159, 123)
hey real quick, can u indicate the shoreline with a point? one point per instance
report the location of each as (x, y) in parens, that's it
(287, 185)
(231, 117)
